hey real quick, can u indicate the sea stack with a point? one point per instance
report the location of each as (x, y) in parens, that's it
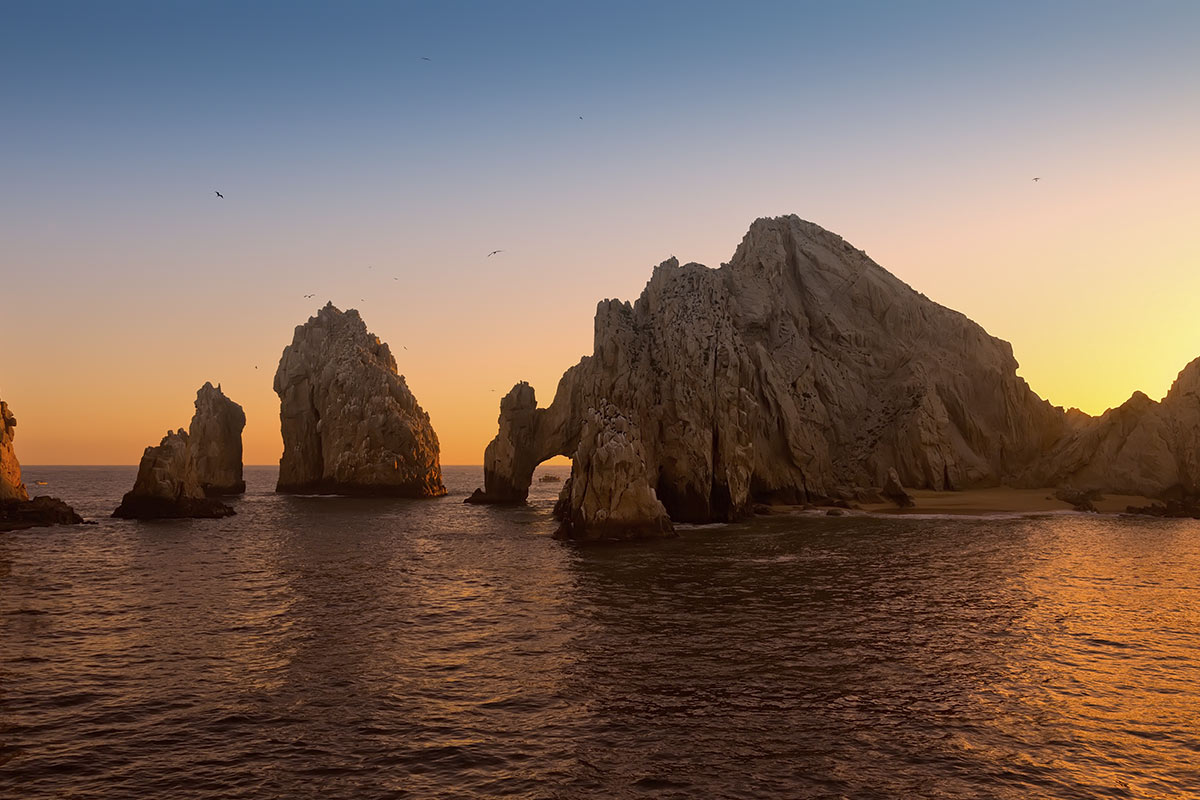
(215, 437)
(350, 424)
(168, 485)
(17, 511)
(608, 496)
(802, 371)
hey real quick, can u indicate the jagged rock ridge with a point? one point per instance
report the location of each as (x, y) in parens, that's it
(168, 485)
(215, 436)
(803, 369)
(350, 424)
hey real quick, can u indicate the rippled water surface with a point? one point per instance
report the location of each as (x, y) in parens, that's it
(335, 647)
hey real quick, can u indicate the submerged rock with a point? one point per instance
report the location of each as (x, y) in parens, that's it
(167, 485)
(39, 512)
(17, 511)
(215, 437)
(350, 424)
(608, 496)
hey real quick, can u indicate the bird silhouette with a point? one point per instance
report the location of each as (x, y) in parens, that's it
(494, 253)
(1035, 180)
(218, 194)
(581, 117)
(426, 58)
(309, 295)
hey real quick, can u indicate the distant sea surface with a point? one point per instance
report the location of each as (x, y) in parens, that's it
(319, 647)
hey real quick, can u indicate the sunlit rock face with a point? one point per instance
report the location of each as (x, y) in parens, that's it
(168, 486)
(11, 487)
(797, 370)
(215, 437)
(609, 496)
(17, 511)
(350, 424)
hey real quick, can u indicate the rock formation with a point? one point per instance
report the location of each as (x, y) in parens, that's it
(1141, 447)
(168, 485)
(16, 509)
(11, 487)
(803, 370)
(215, 437)
(893, 490)
(609, 496)
(350, 424)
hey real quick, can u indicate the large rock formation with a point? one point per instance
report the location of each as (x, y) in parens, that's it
(801, 370)
(608, 496)
(168, 485)
(1141, 447)
(350, 424)
(16, 509)
(215, 437)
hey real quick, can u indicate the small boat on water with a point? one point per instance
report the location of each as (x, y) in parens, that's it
(549, 478)
(39, 483)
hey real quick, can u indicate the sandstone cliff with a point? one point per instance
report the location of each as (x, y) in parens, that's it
(350, 424)
(168, 486)
(17, 511)
(801, 370)
(215, 437)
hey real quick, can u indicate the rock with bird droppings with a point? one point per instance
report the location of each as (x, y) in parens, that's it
(350, 424)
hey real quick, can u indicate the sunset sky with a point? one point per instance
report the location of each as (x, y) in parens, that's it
(356, 170)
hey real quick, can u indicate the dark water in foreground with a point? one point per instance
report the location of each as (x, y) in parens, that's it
(328, 647)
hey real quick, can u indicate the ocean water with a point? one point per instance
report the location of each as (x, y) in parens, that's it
(359, 648)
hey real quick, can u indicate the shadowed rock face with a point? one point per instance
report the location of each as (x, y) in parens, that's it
(350, 424)
(215, 437)
(803, 369)
(167, 485)
(1140, 447)
(17, 511)
(608, 496)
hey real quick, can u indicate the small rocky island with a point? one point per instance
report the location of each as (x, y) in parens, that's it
(350, 424)
(801, 372)
(17, 511)
(182, 474)
(216, 437)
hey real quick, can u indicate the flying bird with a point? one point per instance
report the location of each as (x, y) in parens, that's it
(494, 253)
(581, 117)
(1035, 180)
(218, 194)
(310, 295)
(426, 58)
